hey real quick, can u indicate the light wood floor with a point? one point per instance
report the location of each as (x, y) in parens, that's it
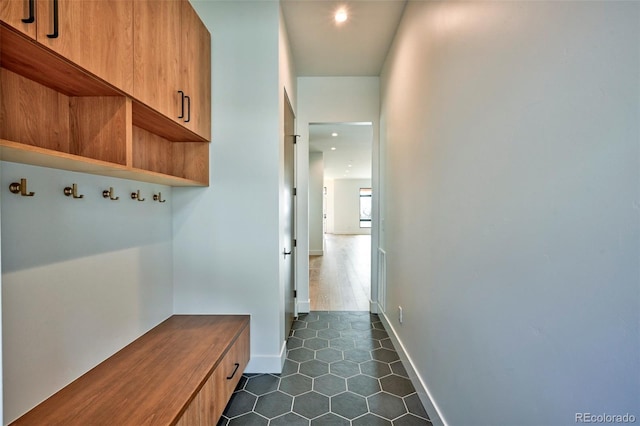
(341, 279)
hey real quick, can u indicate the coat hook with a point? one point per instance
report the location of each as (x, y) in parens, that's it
(158, 197)
(109, 194)
(136, 196)
(21, 188)
(72, 191)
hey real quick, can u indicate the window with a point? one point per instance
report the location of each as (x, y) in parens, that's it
(365, 207)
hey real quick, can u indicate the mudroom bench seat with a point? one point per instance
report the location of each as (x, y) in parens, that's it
(182, 372)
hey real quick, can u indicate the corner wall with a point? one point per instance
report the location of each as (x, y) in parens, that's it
(346, 206)
(316, 202)
(511, 174)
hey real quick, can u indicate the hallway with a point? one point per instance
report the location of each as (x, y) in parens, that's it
(341, 279)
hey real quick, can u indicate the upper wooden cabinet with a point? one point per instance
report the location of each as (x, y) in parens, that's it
(172, 62)
(97, 35)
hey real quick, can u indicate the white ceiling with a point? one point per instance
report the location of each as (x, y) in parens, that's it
(356, 47)
(353, 147)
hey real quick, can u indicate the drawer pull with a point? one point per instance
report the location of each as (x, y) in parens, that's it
(234, 371)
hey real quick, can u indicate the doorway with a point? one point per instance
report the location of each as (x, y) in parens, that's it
(288, 254)
(340, 158)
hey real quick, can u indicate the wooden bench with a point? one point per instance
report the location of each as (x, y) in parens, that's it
(181, 372)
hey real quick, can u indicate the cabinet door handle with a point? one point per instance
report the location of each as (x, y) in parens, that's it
(188, 109)
(55, 20)
(31, 17)
(234, 371)
(181, 103)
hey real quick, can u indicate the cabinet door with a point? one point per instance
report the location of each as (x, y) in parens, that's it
(195, 75)
(156, 48)
(95, 34)
(16, 12)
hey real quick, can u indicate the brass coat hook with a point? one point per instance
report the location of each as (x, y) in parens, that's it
(109, 194)
(72, 191)
(158, 197)
(21, 188)
(136, 196)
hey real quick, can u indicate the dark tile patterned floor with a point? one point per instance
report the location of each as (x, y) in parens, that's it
(341, 369)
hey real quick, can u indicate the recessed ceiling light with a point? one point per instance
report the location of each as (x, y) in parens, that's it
(333, 148)
(341, 15)
(350, 165)
(334, 134)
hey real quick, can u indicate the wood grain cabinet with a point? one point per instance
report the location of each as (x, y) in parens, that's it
(172, 62)
(71, 99)
(97, 35)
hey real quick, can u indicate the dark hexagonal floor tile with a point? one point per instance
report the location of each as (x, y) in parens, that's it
(342, 344)
(329, 355)
(329, 385)
(314, 368)
(289, 367)
(311, 405)
(316, 343)
(339, 326)
(378, 325)
(249, 419)
(223, 421)
(300, 354)
(357, 355)
(242, 382)
(363, 385)
(414, 405)
(305, 333)
(375, 368)
(318, 325)
(241, 402)
(387, 406)
(329, 334)
(370, 420)
(294, 342)
(384, 355)
(297, 325)
(387, 343)
(296, 384)
(273, 404)
(348, 405)
(264, 383)
(310, 317)
(361, 325)
(344, 368)
(399, 369)
(289, 419)
(330, 419)
(367, 344)
(397, 385)
(411, 420)
(374, 334)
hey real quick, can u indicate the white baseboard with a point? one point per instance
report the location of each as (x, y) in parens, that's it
(373, 307)
(260, 364)
(316, 252)
(304, 306)
(423, 392)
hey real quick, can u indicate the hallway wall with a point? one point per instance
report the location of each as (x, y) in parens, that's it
(345, 208)
(511, 184)
(316, 202)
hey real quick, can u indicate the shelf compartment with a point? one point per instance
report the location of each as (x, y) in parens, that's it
(187, 160)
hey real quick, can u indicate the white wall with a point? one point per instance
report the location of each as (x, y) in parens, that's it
(316, 201)
(512, 184)
(227, 238)
(80, 278)
(346, 206)
(332, 100)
